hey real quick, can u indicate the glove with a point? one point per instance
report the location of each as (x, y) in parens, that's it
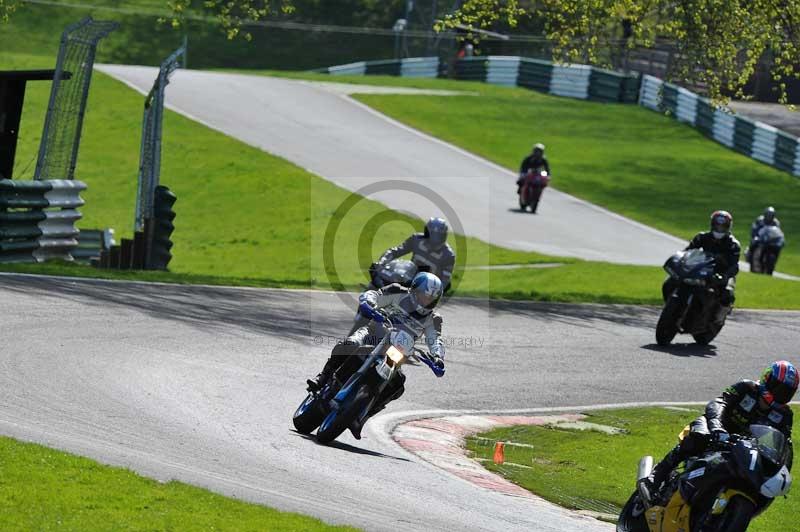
(436, 363)
(373, 269)
(368, 312)
(720, 436)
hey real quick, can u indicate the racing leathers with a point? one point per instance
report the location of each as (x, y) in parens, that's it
(739, 406)
(758, 224)
(726, 251)
(395, 304)
(439, 262)
(531, 163)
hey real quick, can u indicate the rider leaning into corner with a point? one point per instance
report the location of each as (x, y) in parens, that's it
(726, 250)
(413, 308)
(533, 161)
(740, 405)
(430, 252)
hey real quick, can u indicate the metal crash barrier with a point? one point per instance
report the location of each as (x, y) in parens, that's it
(37, 219)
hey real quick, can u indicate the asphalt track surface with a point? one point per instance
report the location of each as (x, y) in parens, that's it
(200, 383)
(321, 129)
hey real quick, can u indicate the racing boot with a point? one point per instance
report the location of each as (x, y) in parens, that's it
(389, 394)
(319, 382)
(650, 486)
(338, 356)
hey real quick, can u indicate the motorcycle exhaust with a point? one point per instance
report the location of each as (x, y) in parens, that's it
(645, 467)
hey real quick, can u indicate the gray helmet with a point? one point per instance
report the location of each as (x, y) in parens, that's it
(436, 232)
(769, 215)
(539, 146)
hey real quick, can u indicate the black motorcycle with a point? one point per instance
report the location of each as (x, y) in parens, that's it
(395, 271)
(355, 392)
(764, 249)
(721, 490)
(692, 302)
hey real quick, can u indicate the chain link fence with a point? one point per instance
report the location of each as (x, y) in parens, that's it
(150, 153)
(58, 151)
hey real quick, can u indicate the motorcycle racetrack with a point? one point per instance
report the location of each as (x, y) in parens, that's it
(199, 384)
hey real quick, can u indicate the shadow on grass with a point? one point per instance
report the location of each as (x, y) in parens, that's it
(684, 350)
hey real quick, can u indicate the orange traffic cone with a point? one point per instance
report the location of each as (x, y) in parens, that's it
(499, 452)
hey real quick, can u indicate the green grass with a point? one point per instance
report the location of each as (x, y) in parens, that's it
(623, 157)
(45, 489)
(248, 218)
(593, 470)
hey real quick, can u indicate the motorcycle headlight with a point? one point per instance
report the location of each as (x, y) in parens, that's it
(778, 484)
(395, 355)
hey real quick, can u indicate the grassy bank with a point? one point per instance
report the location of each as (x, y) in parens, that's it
(597, 471)
(625, 158)
(248, 218)
(44, 489)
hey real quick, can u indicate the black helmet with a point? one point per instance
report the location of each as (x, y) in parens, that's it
(721, 223)
(436, 232)
(769, 215)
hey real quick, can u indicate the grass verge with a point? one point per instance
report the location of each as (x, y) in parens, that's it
(597, 471)
(45, 489)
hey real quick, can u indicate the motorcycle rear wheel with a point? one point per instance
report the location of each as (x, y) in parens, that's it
(308, 415)
(667, 326)
(339, 420)
(735, 518)
(631, 518)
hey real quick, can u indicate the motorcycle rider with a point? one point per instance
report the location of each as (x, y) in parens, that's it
(740, 405)
(726, 250)
(766, 219)
(533, 161)
(412, 307)
(430, 252)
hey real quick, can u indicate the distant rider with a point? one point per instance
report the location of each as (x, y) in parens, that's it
(726, 250)
(768, 218)
(533, 161)
(411, 308)
(764, 220)
(741, 405)
(430, 252)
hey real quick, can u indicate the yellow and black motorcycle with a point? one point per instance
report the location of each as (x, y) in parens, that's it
(720, 491)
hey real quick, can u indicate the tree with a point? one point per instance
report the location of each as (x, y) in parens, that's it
(717, 42)
(230, 14)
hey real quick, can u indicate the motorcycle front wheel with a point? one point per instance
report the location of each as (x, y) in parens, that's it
(667, 326)
(308, 415)
(735, 518)
(631, 518)
(339, 420)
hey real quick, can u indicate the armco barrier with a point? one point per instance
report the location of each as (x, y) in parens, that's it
(754, 139)
(37, 219)
(419, 67)
(571, 81)
(502, 70)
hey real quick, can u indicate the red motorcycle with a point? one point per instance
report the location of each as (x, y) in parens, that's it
(531, 187)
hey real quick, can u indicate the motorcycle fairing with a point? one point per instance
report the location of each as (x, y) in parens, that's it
(674, 517)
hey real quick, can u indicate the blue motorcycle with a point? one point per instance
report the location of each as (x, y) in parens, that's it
(356, 390)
